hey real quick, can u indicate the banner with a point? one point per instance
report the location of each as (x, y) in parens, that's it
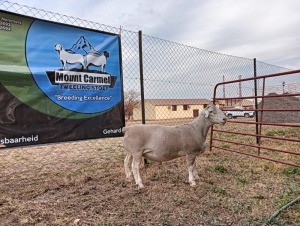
(58, 82)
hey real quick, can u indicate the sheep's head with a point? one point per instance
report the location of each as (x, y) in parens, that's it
(215, 115)
(106, 54)
(58, 47)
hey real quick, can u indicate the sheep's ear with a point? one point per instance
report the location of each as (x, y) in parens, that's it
(206, 113)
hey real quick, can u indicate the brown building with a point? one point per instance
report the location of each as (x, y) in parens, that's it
(237, 103)
(157, 109)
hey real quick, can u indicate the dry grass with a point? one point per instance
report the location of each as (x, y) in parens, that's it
(83, 183)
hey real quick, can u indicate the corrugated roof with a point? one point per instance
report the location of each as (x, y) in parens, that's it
(165, 102)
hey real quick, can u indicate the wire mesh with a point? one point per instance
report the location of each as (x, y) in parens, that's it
(178, 84)
(179, 75)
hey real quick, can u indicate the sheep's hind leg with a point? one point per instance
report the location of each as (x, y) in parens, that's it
(127, 167)
(136, 170)
(191, 165)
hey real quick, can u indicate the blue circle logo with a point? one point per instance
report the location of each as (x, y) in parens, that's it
(78, 69)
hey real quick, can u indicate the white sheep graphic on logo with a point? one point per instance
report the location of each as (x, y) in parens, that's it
(98, 60)
(69, 57)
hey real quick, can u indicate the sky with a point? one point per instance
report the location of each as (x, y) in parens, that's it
(267, 30)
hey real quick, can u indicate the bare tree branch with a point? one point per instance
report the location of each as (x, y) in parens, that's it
(131, 100)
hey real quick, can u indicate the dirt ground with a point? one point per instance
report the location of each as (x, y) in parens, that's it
(83, 183)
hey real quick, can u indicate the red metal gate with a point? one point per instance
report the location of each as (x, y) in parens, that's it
(273, 133)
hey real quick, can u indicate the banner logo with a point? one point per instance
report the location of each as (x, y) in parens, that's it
(81, 68)
(82, 75)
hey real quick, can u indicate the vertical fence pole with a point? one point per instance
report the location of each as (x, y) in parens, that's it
(256, 101)
(142, 77)
(142, 84)
(261, 113)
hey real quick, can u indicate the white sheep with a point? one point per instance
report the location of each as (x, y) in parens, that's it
(68, 57)
(163, 143)
(97, 60)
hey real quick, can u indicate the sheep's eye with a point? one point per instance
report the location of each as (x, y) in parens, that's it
(211, 112)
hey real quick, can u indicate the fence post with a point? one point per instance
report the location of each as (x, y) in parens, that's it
(141, 77)
(142, 84)
(256, 103)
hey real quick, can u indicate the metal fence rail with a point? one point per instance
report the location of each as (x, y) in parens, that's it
(274, 109)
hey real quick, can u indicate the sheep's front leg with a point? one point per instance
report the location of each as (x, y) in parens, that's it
(127, 167)
(136, 170)
(190, 159)
(195, 171)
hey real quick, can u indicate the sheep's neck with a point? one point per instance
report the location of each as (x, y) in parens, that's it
(202, 126)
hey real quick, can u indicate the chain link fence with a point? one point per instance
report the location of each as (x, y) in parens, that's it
(178, 83)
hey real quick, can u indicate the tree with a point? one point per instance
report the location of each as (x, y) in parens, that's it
(131, 100)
